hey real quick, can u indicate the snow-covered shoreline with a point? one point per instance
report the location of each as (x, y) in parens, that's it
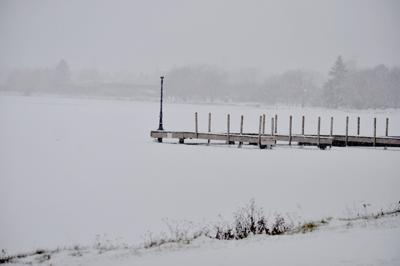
(361, 241)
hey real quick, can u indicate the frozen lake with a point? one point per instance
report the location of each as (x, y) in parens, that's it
(71, 169)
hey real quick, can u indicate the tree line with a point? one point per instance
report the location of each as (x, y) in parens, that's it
(343, 87)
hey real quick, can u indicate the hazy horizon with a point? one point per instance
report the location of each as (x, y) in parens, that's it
(156, 36)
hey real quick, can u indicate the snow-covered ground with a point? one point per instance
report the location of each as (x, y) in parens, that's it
(365, 242)
(74, 169)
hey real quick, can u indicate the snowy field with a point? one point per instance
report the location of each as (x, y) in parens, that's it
(75, 170)
(362, 243)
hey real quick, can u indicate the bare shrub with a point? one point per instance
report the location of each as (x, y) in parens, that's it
(223, 230)
(279, 226)
(250, 220)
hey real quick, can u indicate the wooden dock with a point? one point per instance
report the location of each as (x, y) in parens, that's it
(267, 141)
(264, 140)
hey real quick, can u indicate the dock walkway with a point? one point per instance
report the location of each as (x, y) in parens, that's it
(268, 140)
(264, 140)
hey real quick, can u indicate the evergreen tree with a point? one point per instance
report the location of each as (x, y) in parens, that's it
(62, 74)
(335, 88)
(338, 71)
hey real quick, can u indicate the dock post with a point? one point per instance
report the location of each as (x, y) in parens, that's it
(302, 125)
(358, 126)
(241, 130)
(331, 126)
(319, 131)
(290, 130)
(209, 127)
(387, 127)
(276, 124)
(196, 124)
(374, 131)
(347, 130)
(228, 128)
(260, 145)
(259, 132)
(241, 124)
(263, 124)
(272, 126)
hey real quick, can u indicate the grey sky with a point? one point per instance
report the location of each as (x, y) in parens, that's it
(148, 36)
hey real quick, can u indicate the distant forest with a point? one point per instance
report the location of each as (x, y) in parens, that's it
(345, 86)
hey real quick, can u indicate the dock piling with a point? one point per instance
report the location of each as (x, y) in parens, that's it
(241, 130)
(319, 131)
(209, 126)
(276, 124)
(196, 128)
(358, 126)
(302, 125)
(374, 131)
(331, 126)
(387, 127)
(347, 130)
(259, 132)
(290, 130)
(272, 126)
(263, 124)
(228, 129)
(241, 125)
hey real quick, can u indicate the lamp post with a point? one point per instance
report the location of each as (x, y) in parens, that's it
(160, 124)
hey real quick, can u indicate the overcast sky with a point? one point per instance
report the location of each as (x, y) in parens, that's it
(149, 36)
